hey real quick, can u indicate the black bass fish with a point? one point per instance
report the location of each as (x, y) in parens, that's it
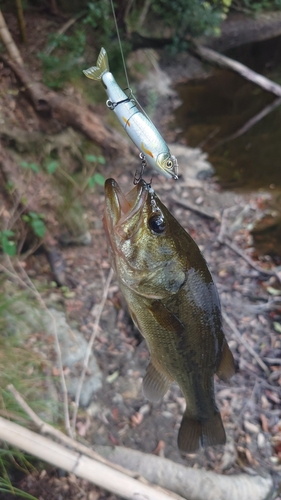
(174, 302)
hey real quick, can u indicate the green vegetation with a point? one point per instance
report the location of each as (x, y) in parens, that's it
(188, 18)
(69, 189)
(256, 6)
(26, 370)
(67, 54)
(36, 223)
(68, 58)
(8, 245)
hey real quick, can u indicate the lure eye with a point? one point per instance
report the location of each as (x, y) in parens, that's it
(157, 224)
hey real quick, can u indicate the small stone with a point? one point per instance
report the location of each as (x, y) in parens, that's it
(261, 440)
(167, 414)
(252, 428)
(94, 409)
(145, 409)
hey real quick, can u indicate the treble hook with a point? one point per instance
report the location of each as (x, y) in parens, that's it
(138, 177)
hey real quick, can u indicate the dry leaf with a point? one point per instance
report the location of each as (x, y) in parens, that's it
(136, 419)
(264, 422)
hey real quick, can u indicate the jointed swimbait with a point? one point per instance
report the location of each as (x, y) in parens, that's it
(138, 127)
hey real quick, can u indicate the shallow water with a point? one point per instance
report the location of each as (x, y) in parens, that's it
(216, 107)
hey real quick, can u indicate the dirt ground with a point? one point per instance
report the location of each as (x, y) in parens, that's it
(250, 403)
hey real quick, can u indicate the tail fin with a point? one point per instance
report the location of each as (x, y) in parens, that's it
(194, 434)
(96, 72)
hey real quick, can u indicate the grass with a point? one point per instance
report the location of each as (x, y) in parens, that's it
(22, 365)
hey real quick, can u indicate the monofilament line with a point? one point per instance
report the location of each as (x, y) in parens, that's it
(120, 45)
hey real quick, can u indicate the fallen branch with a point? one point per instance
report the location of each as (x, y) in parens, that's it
(21, 21)
(8, 41)
(62, 30)
(82, 466)
(225, 62)
(89, 349)
(247, 346)
(48, 430)
(250, 123)
(195, 208)
(79, 117)
(191, 483)
(261, 270)
(223, 239)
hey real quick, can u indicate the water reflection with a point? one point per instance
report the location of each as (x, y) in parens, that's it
(214, 108)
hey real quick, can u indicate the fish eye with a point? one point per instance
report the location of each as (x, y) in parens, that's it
(157, 224)
(170, 164)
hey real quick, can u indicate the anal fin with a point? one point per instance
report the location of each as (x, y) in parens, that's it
(155, 383)
(226, 368)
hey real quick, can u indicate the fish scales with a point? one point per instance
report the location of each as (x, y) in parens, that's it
(174, 302)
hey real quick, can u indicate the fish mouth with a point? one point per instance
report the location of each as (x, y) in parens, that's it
(123, 213)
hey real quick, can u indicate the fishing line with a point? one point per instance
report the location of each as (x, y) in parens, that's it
(120, 46)
(124, 63)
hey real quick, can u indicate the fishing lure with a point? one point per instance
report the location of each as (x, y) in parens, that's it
(138, 126)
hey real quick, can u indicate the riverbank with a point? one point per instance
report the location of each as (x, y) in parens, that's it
(116, 413)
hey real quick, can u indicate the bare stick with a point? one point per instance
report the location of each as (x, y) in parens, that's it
(247, 346)
(222, 238)
(191, 483)
(250, 123)
(31, 287)
(62, 30)
(89, 348)
(8, 41)
(273, 361)
(224, 221)
(251, 263)
(217, 58)
(82, 466)
(21, 20)
(195, 208)
(48, 429)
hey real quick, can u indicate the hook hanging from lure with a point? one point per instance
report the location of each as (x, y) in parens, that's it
(137, 125)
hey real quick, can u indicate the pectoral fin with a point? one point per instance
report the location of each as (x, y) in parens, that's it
(226, 368)
(155, 383)
(166, 318)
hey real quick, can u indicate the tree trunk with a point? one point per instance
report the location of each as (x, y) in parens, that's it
(78, 116)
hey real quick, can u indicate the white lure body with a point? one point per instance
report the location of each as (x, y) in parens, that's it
(137, 125)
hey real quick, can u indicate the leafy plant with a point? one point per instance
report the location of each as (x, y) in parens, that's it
(95, 159)
(52, 166)
(61, 67)
(8, 245)
(30, 166)
(36, 222)
(96, 179)
(257, 6)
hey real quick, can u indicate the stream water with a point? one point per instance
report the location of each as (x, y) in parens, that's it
(215, 108)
